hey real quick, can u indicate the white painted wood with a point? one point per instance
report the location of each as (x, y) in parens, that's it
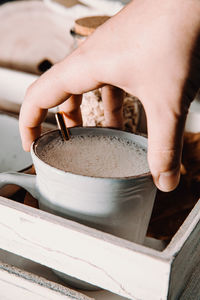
(125, 268)
(184, 232)
(44, 273)
(186, 257)
(192, 289)
(15, 284)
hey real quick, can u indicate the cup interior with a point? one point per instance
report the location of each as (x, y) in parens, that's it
(47, 138)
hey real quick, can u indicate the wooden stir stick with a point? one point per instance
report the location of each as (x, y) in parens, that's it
(61, 125)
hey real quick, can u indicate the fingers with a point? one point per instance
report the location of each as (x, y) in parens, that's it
(74, 75)
(71, 111)
(112, 98)
(29, 128)
(165, 139)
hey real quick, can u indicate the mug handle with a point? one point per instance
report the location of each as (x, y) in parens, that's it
(26, 181)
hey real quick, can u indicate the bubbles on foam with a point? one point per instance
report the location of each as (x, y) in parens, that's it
(96, 156)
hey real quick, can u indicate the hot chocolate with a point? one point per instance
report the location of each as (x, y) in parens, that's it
(96, 156)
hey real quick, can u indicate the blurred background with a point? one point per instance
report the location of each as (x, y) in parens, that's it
(34, 35)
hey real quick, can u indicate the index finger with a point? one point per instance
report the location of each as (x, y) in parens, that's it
(71, 76)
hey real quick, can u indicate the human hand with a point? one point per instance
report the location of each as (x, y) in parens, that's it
(112, 98)
(151, 50)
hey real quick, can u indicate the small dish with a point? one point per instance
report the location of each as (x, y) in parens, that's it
(12, 155)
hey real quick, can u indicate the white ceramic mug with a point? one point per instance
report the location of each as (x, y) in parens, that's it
(120, 206)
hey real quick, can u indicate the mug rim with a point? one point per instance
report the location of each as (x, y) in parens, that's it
(125, 178)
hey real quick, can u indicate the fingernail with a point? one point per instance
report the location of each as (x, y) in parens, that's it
(168, 181)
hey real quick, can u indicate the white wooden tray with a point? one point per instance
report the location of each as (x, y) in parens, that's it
(127, 269)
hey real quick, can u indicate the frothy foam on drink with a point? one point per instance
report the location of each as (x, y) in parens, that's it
(96, 156)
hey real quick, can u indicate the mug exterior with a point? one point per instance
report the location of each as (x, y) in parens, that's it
(119, 206)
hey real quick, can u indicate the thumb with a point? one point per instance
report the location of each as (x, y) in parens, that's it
(165, 140)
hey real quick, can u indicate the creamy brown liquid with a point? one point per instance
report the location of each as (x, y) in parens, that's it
(96, 156)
